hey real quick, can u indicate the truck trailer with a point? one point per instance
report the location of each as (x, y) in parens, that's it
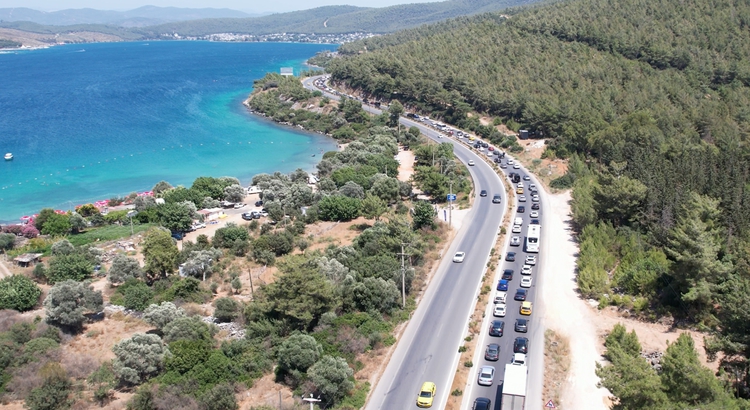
(514, 387)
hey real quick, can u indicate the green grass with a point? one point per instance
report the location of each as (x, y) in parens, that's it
(106, 233)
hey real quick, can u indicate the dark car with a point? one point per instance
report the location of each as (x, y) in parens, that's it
(247, 216)
(510, 257)
(496, 199)
(482, 403)
(521, 345)
(520, 294)
(508, 274)
(483, 192)
(522, 325)
(485, 145)
(503, 285)
(535, 206)
(497, 160)
(534, 222)
(521, 209)
(258, 203)
(492, 353)
(497, 327)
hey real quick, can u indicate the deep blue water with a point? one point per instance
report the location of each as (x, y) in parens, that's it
(90, 121)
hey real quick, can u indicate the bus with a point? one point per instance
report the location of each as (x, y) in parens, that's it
(532, 238)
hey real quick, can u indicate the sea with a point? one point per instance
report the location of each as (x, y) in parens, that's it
(87, 122)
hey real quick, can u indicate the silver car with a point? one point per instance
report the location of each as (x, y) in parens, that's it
(486, 375)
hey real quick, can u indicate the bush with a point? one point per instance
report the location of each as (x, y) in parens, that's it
(137, 296)
(53, 394)
(7, 241)
(19, 293)
(124, 268)
(188, 290)
(160, 315)
(68, 301)
(227, 309)
(75, 266)
(220, 397)
(330, 376)
(188, 328)
(139, 358)
(339, 208)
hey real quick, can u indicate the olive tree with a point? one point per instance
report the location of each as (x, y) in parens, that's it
(68, 301)
(188, 328)
(299, 352)
(124, 268)
(199, 263)
(139, 358)
(234, 193)
(160, 253)
(162, 314)
(62, 247)
(330, 376)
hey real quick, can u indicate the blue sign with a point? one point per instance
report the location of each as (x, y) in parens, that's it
(451, 197)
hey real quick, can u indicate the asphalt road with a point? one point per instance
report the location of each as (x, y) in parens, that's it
(428, 349)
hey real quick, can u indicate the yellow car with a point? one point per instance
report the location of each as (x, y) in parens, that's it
(426, 395)
(526, 308)
(519, 190)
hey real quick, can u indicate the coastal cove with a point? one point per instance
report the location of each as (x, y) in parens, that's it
(91, 121)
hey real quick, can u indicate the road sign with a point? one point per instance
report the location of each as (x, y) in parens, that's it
(549, 405)
(451, 197)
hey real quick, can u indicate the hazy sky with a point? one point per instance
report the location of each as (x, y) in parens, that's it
(249, 6)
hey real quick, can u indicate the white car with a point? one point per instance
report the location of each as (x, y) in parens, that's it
(486, 376)
(531, 260)
(239, 205)
(510, 161)
(471, 163)
(522, 198)
(519, 185)
(534, 214)
(535, 198)
(526, 282)
(526, 270)
(518, 221)
(516, 166)
(459, 257)
(516, 229)
(500, 310)
(515, 241)
(500, 297)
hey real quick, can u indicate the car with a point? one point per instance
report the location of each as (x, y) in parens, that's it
(535, 198)
(526, 282)
(499, 310)
(471, 162)
(521, 209)
(496, 199)
(518, 221)
(459, 257)
(534, 214)
(510, 161)
(516, 166)
(199, 225)
(532, 186)
(247, 216)
(485, 145)
(534, 222)
(496, 328)
(525, 308)
(263, 212)
(239, 205)
(533, 192)
(519, 190)
(526, 178)
(521, 345)
(522, 198)
(531, 260)
(258, 203)
(510, 257)
(507, 274)
(522, 325)
(426, 395)
(535, 206)
(492, 352)
(503, 165)
(483, 193)
(520, 294)
(491, 148)
(500, 297)
(515, 241)
(497, 160)
(516, 229)
(486, 375)
(502, 285)
(526, 270)
(519, 185)
(482, 403)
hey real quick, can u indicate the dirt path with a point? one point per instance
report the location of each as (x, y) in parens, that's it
(568, 315)
(4, 272)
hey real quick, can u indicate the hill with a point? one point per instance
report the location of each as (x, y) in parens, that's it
(649, 103)
(341, 19)
(142, 16)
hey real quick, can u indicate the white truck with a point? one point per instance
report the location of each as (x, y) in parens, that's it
(514, 385)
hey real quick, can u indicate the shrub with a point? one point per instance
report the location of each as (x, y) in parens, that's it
(160, 315)
(53, 394)
(68, 301)
(139, 358)
(124, 268)
(330, 376)
(19, 293)
(137, 296)
(227, 309)
(339, 208)
(75, 266)
(188, 328)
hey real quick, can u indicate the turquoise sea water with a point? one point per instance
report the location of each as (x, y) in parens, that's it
(91, 121)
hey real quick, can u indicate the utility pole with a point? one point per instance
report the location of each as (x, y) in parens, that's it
(450, 206)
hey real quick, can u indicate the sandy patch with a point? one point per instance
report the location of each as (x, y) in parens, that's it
(406, 164)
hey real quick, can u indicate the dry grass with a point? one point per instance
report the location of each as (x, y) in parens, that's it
(557, 365)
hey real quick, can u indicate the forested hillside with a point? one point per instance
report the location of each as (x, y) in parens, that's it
(650, 102)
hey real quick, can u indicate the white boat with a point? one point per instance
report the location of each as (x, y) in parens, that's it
(8, 156)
